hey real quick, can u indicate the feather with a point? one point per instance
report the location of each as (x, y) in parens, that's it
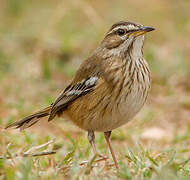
(72, 93)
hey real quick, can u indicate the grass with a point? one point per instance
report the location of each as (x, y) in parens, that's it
(43, 44)
(136, 161)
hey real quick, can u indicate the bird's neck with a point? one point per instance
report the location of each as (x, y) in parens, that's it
(136, 48)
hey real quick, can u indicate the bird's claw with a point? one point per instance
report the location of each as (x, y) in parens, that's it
(95, 159)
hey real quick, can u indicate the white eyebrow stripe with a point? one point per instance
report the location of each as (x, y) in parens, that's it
(127, 27)
(116, 28)
(130, 26)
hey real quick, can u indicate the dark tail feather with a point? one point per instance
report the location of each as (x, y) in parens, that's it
(30, 120)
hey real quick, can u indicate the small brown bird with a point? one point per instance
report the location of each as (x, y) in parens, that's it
(109, 88)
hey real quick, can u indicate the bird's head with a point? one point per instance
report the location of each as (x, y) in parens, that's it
(123, 35)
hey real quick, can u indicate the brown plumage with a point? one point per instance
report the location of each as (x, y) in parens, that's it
(109, 88)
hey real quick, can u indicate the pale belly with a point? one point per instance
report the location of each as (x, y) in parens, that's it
(106, 117)
(122, 112)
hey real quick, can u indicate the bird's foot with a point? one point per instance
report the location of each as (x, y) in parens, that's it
(101, 157)
(95, 159)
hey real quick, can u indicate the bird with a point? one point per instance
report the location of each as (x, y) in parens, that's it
(109, 88)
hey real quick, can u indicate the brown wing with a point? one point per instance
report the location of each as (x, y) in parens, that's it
(71, 93)
(84, 81)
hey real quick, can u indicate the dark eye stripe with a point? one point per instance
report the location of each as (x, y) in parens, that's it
(132, 30)
(121, 32)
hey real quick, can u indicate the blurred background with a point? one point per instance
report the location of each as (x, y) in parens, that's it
(43, 42)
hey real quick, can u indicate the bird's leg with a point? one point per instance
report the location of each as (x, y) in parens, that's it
(107, 137)
(91, 138)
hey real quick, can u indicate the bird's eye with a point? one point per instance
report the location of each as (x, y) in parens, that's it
(121, 32)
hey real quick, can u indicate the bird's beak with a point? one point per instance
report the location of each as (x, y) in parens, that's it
(141, 31)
